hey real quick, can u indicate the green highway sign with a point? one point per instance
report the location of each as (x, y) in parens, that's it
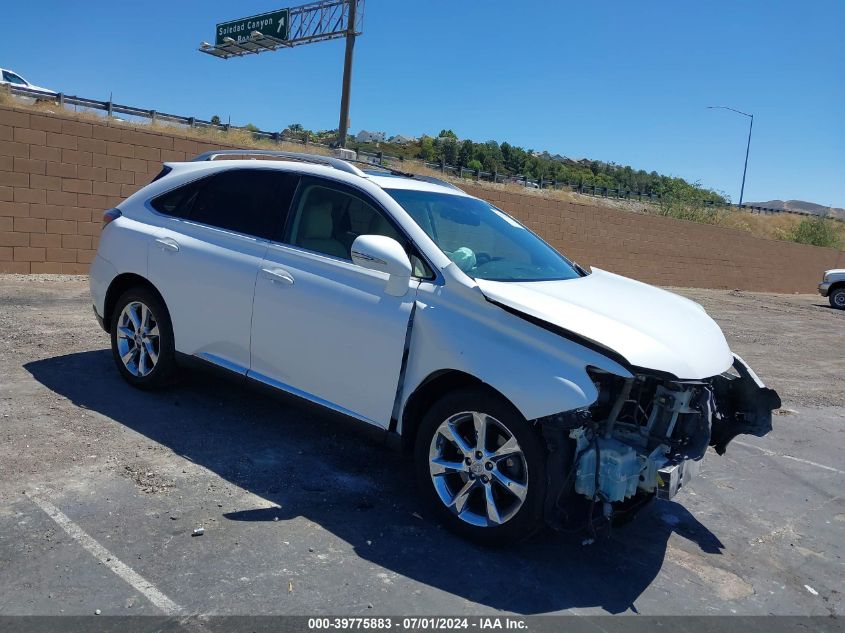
(273, 24)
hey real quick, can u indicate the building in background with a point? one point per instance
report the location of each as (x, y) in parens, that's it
(370, 137)
(399, 139)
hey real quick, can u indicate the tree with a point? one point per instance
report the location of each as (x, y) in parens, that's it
(449, 150)
(427, 151)
(448, 134)
(465, 153)
(296, 127)
(215, 120)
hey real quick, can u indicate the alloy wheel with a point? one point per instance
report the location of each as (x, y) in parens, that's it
(478, 469)
(138, 342)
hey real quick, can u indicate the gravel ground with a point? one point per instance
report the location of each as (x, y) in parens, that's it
(301, 515)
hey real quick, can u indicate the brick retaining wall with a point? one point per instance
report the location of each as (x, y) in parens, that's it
(58, 174)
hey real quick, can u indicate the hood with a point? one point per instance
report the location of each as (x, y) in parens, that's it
(649, 327)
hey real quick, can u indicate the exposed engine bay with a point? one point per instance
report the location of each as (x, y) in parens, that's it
(646, 436)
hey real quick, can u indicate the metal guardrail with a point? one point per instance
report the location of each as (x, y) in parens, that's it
(376, 158)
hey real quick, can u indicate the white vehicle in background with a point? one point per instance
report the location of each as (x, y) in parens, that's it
(14, 80)
(833, 287)
(529, 390)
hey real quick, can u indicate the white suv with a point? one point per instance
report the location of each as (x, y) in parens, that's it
(530, 390)
(10, 78)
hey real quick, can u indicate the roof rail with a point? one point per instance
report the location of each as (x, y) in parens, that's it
(331, 161)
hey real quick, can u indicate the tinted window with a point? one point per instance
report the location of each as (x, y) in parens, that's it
(254, 202)
(327, 219)
(13, 78)
(177, 202)
(250, 201)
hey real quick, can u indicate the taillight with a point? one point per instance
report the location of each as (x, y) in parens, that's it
(110, 216)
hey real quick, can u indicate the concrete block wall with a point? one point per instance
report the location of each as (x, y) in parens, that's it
(58, 174)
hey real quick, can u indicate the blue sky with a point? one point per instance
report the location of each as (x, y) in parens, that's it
(619, 81)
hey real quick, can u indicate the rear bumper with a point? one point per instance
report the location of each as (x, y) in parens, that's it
(99, 319)
(99, 278)
(824, 288)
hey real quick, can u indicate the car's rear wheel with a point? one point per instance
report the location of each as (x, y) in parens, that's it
(837, 299)
(481, 467)
(142, 339)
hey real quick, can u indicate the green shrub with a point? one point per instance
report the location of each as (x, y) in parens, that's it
(817, 231)
(683, 201)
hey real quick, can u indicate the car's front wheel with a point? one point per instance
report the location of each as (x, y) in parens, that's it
(142, 339)
(837, 299)
(481, 467)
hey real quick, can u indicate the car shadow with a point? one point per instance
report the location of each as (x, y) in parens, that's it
(307, 465)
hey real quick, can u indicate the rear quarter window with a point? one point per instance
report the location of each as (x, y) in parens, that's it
(178, 202)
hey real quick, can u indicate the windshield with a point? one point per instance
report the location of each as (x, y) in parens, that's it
(481, 240)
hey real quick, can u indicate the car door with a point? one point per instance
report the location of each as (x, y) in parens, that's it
(205, 256)
(323, 327)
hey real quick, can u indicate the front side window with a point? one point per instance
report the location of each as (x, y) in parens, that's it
(327, 219)
(482, 240)
(12, 78)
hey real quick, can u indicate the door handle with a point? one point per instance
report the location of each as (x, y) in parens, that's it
(167, 244)
(278, 275)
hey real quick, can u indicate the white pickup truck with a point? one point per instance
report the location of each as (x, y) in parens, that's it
(833, 287)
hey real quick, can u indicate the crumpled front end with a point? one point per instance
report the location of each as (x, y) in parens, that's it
(645, 436)
(744, 405)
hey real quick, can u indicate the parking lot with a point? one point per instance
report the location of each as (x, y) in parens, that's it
(102, 487)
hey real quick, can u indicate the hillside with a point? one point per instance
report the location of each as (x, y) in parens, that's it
(511, 160)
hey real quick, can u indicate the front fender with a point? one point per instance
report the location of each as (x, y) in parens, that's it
(539, 372)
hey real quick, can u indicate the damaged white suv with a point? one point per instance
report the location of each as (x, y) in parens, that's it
(529, 390)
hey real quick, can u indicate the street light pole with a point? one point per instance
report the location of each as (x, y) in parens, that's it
(343, 126)
(747, 147)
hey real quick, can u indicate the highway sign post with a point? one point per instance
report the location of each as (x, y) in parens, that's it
(284, 28)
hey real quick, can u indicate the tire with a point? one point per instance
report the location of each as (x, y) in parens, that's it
(459, 494)
(141, 320)
(837, 299)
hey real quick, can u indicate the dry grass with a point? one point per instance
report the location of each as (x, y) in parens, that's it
(778, 227)
(237, 138)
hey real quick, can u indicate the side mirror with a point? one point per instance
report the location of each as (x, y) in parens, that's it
(384, 254)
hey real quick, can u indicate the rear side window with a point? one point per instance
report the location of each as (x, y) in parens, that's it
(250, 201)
